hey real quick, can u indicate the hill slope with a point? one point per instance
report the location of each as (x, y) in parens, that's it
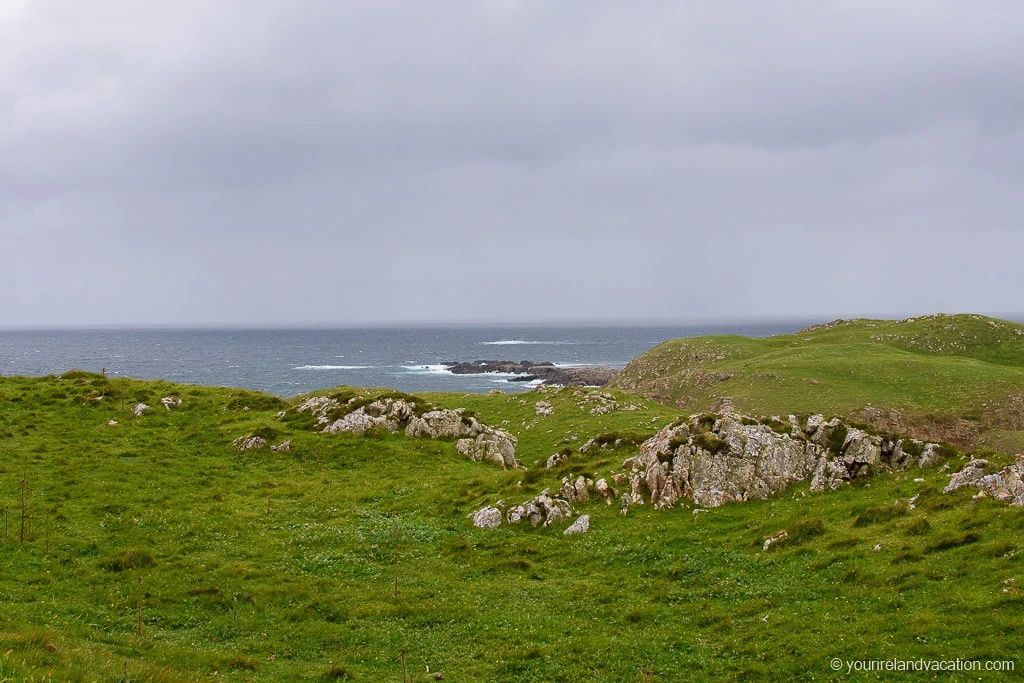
(955, 377)
(156, 550)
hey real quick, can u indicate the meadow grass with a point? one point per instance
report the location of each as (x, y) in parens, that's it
(930, 370)
(157, 551)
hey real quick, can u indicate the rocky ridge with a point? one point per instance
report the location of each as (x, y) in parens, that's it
(357, 415)
(716, 459)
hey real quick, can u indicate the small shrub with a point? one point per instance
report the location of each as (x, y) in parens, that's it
(337, 673)
(806, 529)
(909, 556)
(878, 514)
(951, 542)
(711, 443)
(708, 420)
(241, 663)
(255, 400)
(676, 442)
(913, 448)
(837, 438)
(130, 559)
(621, 439)
(268, 433)
(919, 527)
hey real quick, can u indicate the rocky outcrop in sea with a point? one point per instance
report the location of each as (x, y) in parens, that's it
(529, 371)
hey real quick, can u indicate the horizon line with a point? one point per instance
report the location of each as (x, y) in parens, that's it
(471, 324)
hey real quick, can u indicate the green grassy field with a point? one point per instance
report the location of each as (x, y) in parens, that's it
(955, 377)
(155, 550)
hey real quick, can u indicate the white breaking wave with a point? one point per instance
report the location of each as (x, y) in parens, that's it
(516, 342)
(334, 367)
(436, 369)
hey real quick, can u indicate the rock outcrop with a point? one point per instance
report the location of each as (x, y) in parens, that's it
(139, 408)
(542, 509)
(170, 402)
(249, 442)
(441, 424)
(712, 459)
(355, 416)
(528, 371)
(1006, 485)
(558, 458)
(580, 526)
(490, 445)
(487, 517)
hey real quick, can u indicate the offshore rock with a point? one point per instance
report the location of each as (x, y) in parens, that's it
(528, 370)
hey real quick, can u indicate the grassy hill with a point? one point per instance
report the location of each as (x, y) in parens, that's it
(956, 377)
(155, 550)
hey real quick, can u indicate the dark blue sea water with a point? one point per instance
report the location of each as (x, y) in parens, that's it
(289, 362)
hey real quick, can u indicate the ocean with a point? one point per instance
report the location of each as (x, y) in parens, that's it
(287, 362)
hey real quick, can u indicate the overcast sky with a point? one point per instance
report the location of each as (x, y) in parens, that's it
(349, 161)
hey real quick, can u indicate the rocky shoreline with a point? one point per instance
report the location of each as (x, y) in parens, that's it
(529, 371)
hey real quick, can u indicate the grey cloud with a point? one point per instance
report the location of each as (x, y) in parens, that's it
(510, 160)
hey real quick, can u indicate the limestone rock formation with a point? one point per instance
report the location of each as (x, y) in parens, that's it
(249, 442)
(487, 517)
(359, 421)
(386, 413)
(716, 459)
(718, 463)
(971, 475)
(558, 458)
(441, 424)
(139, 408)
(356, 416)
(544, 408)
(320, 407)
(580, 526)
(1007, 484)
(542, 509)
(490, 445)
(170, 402)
